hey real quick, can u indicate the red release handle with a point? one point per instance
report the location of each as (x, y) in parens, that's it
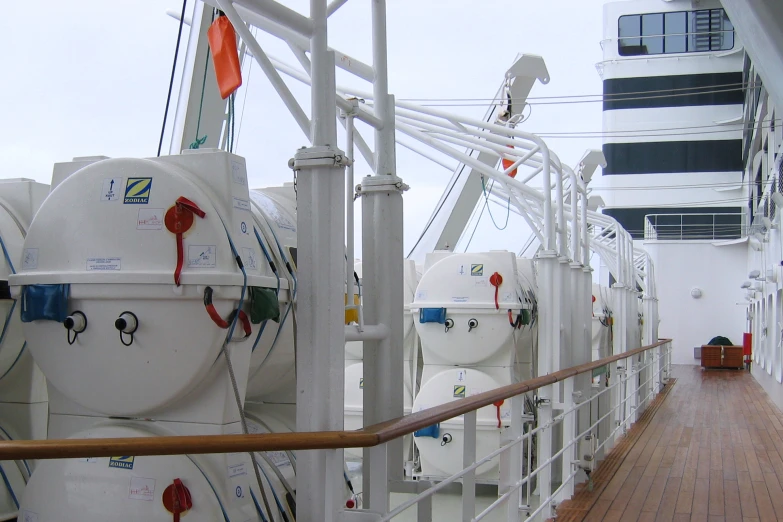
(179, 219)
(177, 499)
(496, 280)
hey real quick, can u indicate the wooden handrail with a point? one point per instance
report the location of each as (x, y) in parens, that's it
(364, 438)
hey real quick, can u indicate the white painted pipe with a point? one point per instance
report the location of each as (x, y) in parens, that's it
(371, 332)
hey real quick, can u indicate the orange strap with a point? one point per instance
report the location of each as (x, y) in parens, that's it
(497, 405)
(219, 321)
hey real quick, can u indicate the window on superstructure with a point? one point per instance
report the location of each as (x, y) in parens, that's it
(678, 32)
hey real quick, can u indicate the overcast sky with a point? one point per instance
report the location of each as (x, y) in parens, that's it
(90, 77)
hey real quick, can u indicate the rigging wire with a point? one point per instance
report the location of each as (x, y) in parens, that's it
(173, 70)
(570, 102)
(744, 126)
(244, 96)
(605, 95)
(446, 195)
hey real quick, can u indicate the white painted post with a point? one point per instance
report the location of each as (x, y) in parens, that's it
(515, 458)
(549, 345)
(320, 304)
(569, 432)
(382, 279)
(468, 458)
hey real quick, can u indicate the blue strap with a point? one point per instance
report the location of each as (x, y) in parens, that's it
(8, 486)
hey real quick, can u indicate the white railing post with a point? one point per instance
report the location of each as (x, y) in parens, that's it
(569, 432)
(468, 458)
(377, 477)
(544, 447)
(514, 458)
(632, 389)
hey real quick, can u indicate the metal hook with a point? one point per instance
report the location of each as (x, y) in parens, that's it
(449, 324)
(446, 439)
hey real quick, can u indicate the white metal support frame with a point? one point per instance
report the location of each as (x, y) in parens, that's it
(563, 267)
(198, 114)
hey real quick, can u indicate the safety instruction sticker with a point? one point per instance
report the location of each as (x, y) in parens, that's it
(27, 516)
(460, 299)
(462, 270)
(241, 204)
(142, 489)
(237, 470)
(477, 270)
(137, 191)
(202, 256)
(30, 260)
(249, 258)
(462, 375)
(238, 174)
(104, 264)
(279, 458)
(110, 191)
(121, 462)
(150, 219)
(459, 391)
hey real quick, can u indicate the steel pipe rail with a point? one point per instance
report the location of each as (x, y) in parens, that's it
(364, 438)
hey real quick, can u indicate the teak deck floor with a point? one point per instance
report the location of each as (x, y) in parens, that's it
(711, 449)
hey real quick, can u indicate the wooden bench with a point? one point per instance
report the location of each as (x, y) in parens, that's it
(722, 357)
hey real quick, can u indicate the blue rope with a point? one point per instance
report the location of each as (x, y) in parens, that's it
(8, 486)
(217, 497)
(7, 257)
(7, 320)
(290, 270)
(19, 356)
(258, 508)
(274, 493)
(233, 324)
(277, 292)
